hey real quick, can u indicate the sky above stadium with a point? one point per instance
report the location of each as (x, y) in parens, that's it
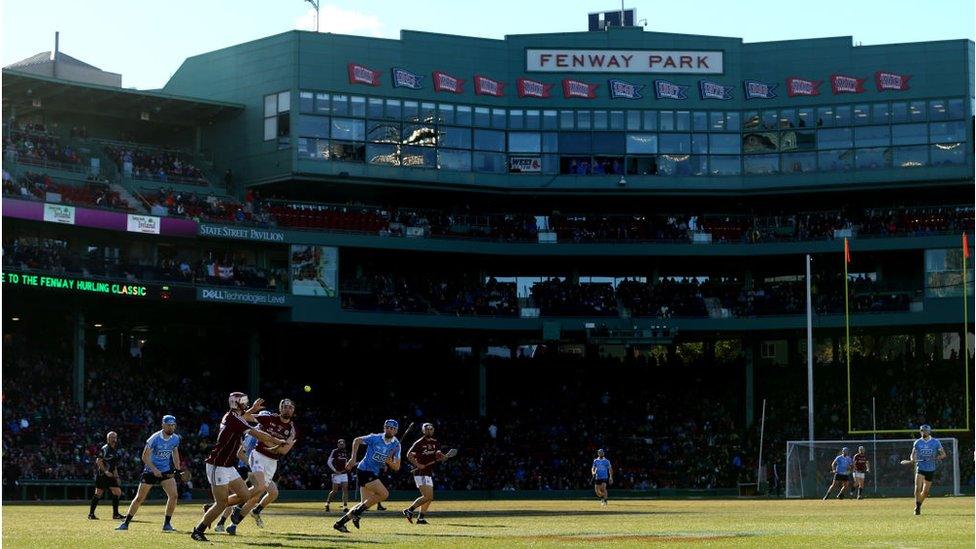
(147, 41)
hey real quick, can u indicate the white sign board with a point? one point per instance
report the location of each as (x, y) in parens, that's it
(57, 213)
(147, 224)
(625, 61)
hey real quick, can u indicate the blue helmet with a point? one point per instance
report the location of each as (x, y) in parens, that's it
(925, 428)
(169, 420)
(391, 423)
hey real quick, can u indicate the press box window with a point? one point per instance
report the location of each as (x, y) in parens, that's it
(277, 117)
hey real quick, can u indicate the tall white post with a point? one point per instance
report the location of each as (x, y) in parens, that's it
(809, 361)
(762, 429)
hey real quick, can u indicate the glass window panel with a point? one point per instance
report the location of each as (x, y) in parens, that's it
(825, 117)
(873, 159)
(787, 118)
(699, 121)
(313, 126)
(393, 109)
(445, 113)
(732, 121)
(675, 143)
(550, 120)
(524, 142)
(838, 138)
(574, 165)
(550, 164)
(270, 128)
(418, 157)
(750, 120)
(428, 112)
(609, 142)
(760, 164)
(937, 110)
(616, 120)
(452, 160)
(910, 157)
(608, 165)
(313, 148)
(666, 121)
(650, 120)
(682, 121)
(599, 120)
(674, 164)
(633, 120)
(575, 142)
(805, 117)
(383, 132)
(550, 142)
(862, 115)
(383, 154)
(842, 115)
(482, 116)
(322, 103)
(725, 165)
(916, 111)
(699, 165)
(374, 108)
(347, 151)
(945, 132)
(516, 119)
(357, 106)
(284, 101)
(770, 120)
(835, 161)
(532, 120)
(948, 154)
(880, 113)
(489, 140)
(423, 135)
(488, 162)
(956, 109)
(270, 105)
(642, 165)
(411, 111)
(348, 129)
(800, 162)
(463, 115)
(306, 101)
(716, 121)
(909, 134)
(872, 136)
(899, 111)
(567, 120)
(454, 138)
(583, 120)
(699, 143)
(497, 118)
(641, 143)
(805, 140)
(759, 142)
(727, 143)
(340, 105)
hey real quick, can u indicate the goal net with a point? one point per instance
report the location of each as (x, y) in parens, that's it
(808, 467)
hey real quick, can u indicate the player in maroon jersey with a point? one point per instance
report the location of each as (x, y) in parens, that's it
(423, 455)
(340, 479)
(221, 474)
(263, 462)
(861, 468)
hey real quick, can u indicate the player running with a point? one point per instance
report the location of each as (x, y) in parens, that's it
(159, 456)
(340, 479)
(841, 468)
(424, 454)
(381, 448)
(926, 453)
(861, 468)
(602, 473)
(264, 464)
(107, 475)
(243, 457)
(221, 474)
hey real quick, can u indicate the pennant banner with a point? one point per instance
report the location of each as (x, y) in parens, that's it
(755, 89)
(576, 88)
(486, 86)
(444, 82)
(846, 84)
(532, 88)
(714, 90)
(798, 86)
(403, 78)
(891, 81)
(359, 74)
(620, 89)
(669, 90)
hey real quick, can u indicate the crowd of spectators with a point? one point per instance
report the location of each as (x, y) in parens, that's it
(39, 186)
(562, 297)
(33, 144)
(156, 165)
(209, 207)
(389, 292)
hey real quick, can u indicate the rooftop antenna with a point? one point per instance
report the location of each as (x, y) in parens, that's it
(54, 54)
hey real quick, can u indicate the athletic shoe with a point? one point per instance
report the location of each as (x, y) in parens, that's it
(345, 508)
(232, 530)
(860, 497)
(355, 521)
(326, 507)
(379, 507)
(258, 520)
(125, 526)
(409, 514)
(117, 516)
(603, 503)
(341, 527)
(421, 521)
(219, 528)
(198, 536)
(236, 517)
(93, 517)
(918, 511)
(168, 528)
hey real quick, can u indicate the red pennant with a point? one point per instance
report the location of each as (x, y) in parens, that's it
(847, 251)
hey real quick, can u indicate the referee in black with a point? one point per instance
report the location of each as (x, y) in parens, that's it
(107, 475)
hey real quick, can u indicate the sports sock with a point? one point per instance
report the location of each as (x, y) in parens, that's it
(115, 505)
(257, 510)
(222, 521)
(168, 518)
(94, 504)
(420, 515)
(128, 519)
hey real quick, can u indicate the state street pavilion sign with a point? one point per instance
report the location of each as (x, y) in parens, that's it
(625, 61)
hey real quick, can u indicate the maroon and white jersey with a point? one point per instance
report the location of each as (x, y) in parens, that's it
(276, 427)
(860, 463)
(232, 429)
(338, 459)
(425, 452)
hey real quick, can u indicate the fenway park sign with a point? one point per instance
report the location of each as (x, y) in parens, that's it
(624, 61)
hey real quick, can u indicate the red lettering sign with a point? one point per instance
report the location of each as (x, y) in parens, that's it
(486, 86)
(575, 88)
(359, 74)
(532, 88)
(891, 81)
(444, 82)
(840, 83)
(798, 87)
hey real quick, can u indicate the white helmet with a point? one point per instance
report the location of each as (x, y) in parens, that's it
(238, 401)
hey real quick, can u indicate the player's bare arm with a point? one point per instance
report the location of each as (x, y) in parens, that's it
(393, 463)
(177, 462)
(248, 414)
(356, 443)
(265, 437)
(147, 460)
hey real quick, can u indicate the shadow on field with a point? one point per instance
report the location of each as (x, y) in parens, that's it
(338, 541)
(500, 513)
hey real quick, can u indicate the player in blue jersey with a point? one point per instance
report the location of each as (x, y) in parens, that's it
(161, 457)
(381, 449)
(841, 469)
(927, 452)
(243, 469)
(602, 473)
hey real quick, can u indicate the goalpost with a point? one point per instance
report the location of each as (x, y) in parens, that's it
(808, 467)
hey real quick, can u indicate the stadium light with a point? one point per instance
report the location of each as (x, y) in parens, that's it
(315, 4)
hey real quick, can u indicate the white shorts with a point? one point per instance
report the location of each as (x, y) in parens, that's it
(858, 476)
(221, 476)
(340, 478)
(423, 481)
(261, 463)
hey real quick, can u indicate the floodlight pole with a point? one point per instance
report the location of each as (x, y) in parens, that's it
(315, 4)
(809, 360)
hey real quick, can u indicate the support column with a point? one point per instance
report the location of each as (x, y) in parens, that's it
(78, 360)
(482, 382)
(750, 371)
(253, 364)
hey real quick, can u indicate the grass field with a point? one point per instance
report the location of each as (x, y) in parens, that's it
(946, 522)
